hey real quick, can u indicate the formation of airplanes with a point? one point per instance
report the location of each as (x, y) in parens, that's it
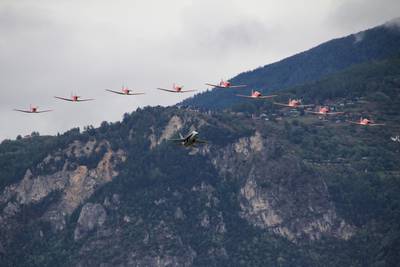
(191, 139)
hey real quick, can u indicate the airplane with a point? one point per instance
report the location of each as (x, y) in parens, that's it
(366, 122)
(74, 98)
(293, 103)
(324, 111)
(225, 84)
(257, 95)
(395, 139)
(33, 109)
(124, 91)
(189, 140)
(176, 89)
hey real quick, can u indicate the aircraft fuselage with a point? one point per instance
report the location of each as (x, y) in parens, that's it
(190, 140)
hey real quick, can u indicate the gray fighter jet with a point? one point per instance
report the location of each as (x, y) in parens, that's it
(190, 140)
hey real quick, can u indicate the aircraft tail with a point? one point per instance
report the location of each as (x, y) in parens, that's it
(180, 136)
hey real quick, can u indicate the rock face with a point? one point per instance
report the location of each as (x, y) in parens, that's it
(282, 194)
(72, 184)
(174, 125)
(294, 215)
(160, 247)
(246, 146)
(92, 216)
(165, 261)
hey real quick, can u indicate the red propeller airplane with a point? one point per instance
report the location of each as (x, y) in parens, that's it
(33, 109)
(74, 98)
(257, 95)
(324, 111)
(366, 122)
(124, 91)
(225, 84)
(293, 103)
(176, 89)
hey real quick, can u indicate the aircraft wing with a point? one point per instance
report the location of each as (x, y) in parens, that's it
(304, 106)
(28, 111)
(25, 111)
(237, 86)
(83, 100)
(63, 98)
(231, 86)
(214, 85)
(328, 113)
(370, 124)
(136, 93)
(281, 104)
(354, 122)
(174, 91)
(335, 113)
(267, 96)
(201, 141)
(167, 90)
(246, 96)
(115, 92)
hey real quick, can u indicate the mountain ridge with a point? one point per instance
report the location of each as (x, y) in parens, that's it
(327, 58)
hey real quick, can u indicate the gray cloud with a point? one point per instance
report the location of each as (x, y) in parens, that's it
(357, 15)
(51, 48)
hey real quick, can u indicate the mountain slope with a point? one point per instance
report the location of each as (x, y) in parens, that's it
(374, 44)
(292, 192)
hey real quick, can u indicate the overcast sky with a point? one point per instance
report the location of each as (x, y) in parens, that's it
(50, 48)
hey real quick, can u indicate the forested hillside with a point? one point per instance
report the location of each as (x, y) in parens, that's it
(373, 44)
(271, 188)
